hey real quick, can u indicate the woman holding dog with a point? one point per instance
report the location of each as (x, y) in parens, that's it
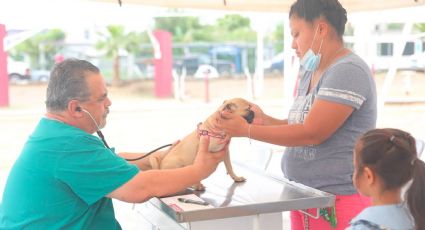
(335, 103)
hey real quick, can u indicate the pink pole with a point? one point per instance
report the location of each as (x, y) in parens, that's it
(164, 65)
(207, 87)
(4, 79)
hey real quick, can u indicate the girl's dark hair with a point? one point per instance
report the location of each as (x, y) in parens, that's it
(391, 153)
(331, 10)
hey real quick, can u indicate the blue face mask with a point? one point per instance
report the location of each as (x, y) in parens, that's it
(311, 61)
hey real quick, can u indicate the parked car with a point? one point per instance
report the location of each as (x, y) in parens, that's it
(417, 62)
(145, 67)
(18, 70)
(274, 65)
(40, 75)
(206, 70)
(192, 63)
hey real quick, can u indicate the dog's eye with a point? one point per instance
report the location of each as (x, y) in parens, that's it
(230, 106)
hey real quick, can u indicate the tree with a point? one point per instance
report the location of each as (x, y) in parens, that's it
(115, 39)
(233, 22)
(182, 28)
(41, 48)
(420, 27)
(188, 29)
(277, 38)
(234, 27)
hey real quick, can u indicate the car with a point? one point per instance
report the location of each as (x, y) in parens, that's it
(417, 62)
(204, 71)
(18, 70)
(275, 64)
(145, 68)
(192, 64)
(40, 75)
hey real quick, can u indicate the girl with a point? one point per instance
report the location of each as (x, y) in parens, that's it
(385, 160)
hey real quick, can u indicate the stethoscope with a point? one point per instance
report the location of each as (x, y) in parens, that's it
(100, 134)
(102, 138)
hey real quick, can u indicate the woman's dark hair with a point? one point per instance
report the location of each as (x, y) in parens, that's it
(391, 153)
(331, 10)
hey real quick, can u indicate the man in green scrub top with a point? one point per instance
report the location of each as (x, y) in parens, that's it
(65, 177)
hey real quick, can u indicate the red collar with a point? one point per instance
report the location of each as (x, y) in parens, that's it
(209, 133)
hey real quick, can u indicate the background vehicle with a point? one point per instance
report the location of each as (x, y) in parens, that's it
(274, 65)
(192, 63)
(18, 70)
(40, 75)
(413, 56)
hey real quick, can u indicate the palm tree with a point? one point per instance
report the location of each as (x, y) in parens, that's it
(44, 45)
(114, 40)
(420, 27)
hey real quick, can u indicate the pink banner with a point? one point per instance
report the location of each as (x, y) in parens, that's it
(4, 79)
(164, 65)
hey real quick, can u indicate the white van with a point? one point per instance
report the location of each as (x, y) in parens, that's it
(18, 70)
(413, 57)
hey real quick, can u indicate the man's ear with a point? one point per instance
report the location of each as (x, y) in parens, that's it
(74, 108)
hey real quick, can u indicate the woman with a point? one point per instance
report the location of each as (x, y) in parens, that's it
(334, 105)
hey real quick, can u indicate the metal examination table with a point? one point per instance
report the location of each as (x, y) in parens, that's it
(254, 204)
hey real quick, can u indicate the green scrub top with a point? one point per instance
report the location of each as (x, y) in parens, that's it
(60, 181)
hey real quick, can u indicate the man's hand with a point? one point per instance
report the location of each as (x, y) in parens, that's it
(207, 161)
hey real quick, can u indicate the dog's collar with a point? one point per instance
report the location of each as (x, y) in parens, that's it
(208, 133)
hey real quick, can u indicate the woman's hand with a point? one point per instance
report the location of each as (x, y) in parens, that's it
(233, 125)
(259, 114)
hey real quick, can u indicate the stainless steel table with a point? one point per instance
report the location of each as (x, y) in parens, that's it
(254, 204)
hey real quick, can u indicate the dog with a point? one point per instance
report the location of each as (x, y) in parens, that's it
(184, 152)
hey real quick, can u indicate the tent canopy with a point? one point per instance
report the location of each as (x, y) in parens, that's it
(269, 5)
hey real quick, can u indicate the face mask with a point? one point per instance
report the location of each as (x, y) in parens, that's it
(310, 61)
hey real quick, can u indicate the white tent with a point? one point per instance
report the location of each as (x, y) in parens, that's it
(269, 5)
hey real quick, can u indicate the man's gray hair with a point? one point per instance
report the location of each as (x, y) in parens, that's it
(68, 82)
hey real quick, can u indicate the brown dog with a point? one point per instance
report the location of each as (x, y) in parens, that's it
(185, 151)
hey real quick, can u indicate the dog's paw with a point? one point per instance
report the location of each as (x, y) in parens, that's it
(238, 178)
(199, 187)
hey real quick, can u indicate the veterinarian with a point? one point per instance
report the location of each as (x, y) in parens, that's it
(65, 177)
(335, 103)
